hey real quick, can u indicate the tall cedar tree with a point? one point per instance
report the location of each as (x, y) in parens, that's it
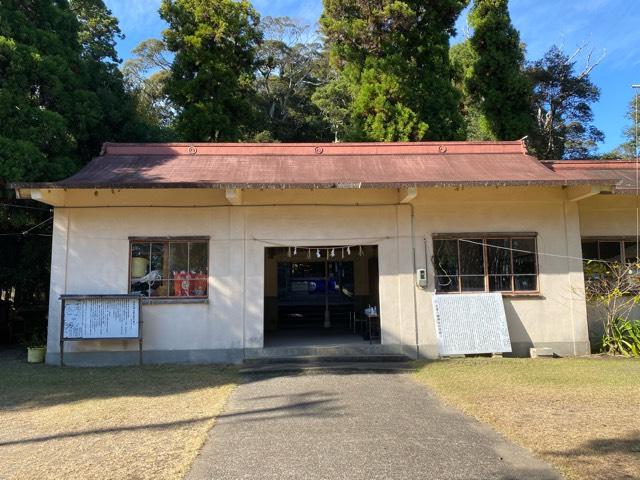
(498, 84)
(393, 58)
(562, 99)
(463, 57)
(212, 75)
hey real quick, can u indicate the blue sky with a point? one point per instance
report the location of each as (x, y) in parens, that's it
(607, 25)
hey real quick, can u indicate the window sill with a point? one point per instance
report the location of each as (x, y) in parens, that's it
(504, 294)
(522, 295)
(173, 301)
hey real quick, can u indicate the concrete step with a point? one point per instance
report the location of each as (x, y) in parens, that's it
(326, 359)
(324, 351)
(322, 367)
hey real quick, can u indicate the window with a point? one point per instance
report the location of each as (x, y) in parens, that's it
(486, 263)
(169, 268)
(610, 250)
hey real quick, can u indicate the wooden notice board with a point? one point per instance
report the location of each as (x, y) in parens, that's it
(101, 317)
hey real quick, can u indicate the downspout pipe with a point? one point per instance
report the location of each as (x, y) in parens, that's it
(415, 287)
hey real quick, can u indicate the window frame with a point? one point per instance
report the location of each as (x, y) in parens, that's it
(167, 241)
(621, 239)
(484, 237)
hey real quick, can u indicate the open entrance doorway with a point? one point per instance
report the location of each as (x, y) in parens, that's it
(317, 296)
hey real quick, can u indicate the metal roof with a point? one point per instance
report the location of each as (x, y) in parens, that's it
(333, 165)
(623, 171)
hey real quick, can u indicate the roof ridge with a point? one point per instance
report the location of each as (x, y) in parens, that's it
(301, 149)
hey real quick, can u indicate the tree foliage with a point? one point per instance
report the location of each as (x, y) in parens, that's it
(628, 148)
(561, 105)
(61, 97)
(393, 58)
(146, 75)
(612, 289)
(463, 58)
(211, 82)
(289, 68)
(498, 84)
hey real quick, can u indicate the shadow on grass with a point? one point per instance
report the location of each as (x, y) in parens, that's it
(605, 446)
(103, 431)
(24, 386)
(31, 386)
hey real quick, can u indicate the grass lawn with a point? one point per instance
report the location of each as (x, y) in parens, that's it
(128, 422)
(581, 415)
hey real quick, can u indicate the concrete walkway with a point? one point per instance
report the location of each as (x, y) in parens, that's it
(353, 426)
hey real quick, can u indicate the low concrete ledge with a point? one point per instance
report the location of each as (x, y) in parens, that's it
(561, 349)
(149, 357)
(327, 351)
(237, 355)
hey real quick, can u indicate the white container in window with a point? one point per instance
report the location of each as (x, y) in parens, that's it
(139, 267)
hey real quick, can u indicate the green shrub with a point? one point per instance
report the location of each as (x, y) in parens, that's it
(623, 338)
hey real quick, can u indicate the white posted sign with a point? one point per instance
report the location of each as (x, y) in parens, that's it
(471, 323)
(101, 318)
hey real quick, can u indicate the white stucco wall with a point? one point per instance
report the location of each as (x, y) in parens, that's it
(91, 250)
(609, 216)
(556, 317)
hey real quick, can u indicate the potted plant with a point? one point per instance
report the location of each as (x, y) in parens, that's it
(36, 348)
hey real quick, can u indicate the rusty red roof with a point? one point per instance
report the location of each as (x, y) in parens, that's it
(282, 165)
(624, 171)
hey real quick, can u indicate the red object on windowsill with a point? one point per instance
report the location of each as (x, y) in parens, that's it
(181, 282)
(199, 283)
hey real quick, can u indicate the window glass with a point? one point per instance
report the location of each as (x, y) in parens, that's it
(631, 252)
(198, 257)
(179, 256)
(447, 257)
(447, 283)
(471, 257)
(610, 251)
(471, 265)
(499, 256)
(492, 264)
(499, 264)
(446, 265)
(169, 269)
(590, 250)
(526, 283)
(472, 283)
(139, 267)
(524, 257)
(498, 283)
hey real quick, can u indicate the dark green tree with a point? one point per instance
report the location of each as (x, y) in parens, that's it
(61, 97)
(212, 74)
(43, 96)
(498, 84)
(394, 57)
(115, 113)
(428, 47)
(41, 70)
(463, 57)
(561, 105)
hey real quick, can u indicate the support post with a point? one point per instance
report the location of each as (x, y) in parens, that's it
(62, 335)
